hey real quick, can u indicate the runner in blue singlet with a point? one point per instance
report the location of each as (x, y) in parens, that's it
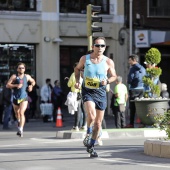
(18, 82)
(20, 95)
(98, 72)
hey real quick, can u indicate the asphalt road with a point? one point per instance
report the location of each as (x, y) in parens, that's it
(40, 150)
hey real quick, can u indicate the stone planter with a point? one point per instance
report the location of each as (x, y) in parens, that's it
(146, 110)
(158, 148)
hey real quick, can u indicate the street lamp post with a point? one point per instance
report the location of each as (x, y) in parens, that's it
(130, 26)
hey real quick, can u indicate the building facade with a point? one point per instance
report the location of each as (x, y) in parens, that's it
(151, 28)
(50, 36)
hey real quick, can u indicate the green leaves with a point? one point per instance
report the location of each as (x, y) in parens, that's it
(154, 72)
(147, 81)
(164, 122)
(153, 56)
(154, 89)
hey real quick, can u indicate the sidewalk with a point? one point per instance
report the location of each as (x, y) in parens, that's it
(64, 132)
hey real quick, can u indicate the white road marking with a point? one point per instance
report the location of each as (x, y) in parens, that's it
(8, 154)
(128, 161)
(12, 145)
(104, 153)
(133, 163)
(55, 140)
(41, 140)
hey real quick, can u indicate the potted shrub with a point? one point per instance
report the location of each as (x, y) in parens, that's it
(163, 122)
(152, 104)
(152, 58)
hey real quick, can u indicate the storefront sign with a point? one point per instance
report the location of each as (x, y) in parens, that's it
(142, 38)
(160, 37)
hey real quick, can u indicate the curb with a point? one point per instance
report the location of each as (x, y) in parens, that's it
(77, 135)
(157, 148)
(115, 133)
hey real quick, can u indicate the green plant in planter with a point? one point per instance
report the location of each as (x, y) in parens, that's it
(152, 57)
(163, 122)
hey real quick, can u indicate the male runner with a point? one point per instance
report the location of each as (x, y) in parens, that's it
(96, 69)
(18, 82)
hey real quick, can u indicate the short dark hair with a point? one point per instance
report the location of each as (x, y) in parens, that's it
(56, 81)
(48, 80)
(134, 57)
(20, 63)
(97, 38)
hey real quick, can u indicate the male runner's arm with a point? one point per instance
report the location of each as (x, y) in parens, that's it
(111, 71)
(77, 71)
(10, 82)
(32, 81)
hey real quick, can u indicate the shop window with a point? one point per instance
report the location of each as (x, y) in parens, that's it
(18, 5)
(159, 8)
(68, 56)
(79, 6)
(11, 54)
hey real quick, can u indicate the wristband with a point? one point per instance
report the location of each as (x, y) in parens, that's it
(108, 82)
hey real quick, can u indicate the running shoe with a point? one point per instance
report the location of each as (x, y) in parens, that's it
(87, 140)
(91, 150)
(83, 128)
(75, 128)
(20, 134)
(99, 142)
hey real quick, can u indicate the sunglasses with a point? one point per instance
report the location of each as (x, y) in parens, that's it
(100, 45)
(21, 68)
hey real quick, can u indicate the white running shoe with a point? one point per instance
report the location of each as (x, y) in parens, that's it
(99, 142)
(75, 128)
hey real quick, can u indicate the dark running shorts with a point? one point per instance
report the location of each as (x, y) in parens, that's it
(18, 101)
(98, 96)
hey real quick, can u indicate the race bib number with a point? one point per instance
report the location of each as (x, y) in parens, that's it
(92, 83)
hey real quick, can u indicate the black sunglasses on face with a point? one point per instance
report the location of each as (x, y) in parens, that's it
(100, 45)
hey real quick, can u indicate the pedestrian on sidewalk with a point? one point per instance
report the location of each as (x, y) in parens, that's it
(164, 91)
(121, 96)
(1, 104)
(80, 113)
(7, 101)
(46, 105)
(34, 98)
(46, 91)
(18, 82)
(57, 98)
(136, 85)
(96, 67)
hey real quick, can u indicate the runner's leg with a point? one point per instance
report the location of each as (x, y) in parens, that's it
(97, 123)
(89, 107)
(16, 110)
(23, 106)
(91, 114)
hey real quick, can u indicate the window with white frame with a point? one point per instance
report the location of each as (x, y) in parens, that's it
(159, 8)
(18, 5)
(79, 6)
